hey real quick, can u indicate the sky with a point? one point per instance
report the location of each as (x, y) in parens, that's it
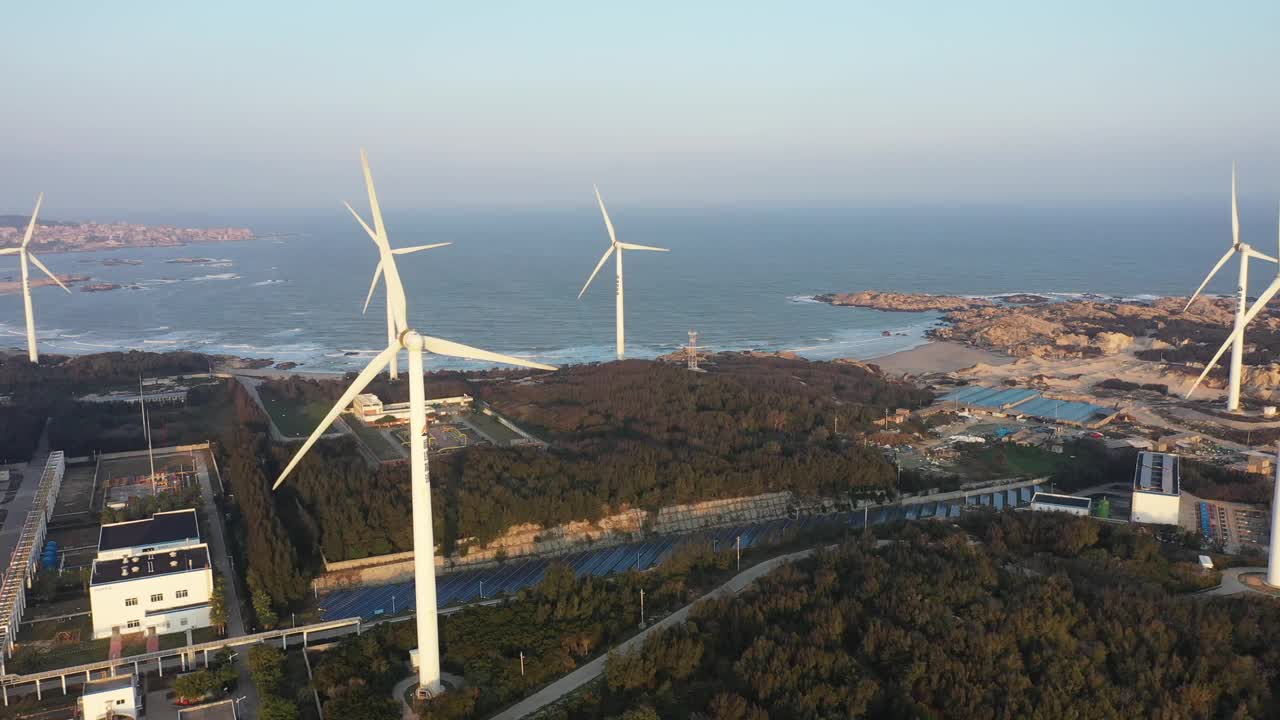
(119, 107)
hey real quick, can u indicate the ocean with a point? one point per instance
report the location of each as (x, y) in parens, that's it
(743, 278)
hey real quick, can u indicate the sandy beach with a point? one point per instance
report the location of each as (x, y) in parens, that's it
(936, 357)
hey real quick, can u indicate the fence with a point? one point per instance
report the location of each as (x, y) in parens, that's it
(13, 591)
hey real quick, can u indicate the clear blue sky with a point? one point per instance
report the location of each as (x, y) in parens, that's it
(126, 105)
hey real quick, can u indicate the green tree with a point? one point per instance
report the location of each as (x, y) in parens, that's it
(196, 685)
(218, 605)
(266, 667)
(262, 606)
(273, 707)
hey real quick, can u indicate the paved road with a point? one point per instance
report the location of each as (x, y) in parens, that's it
(213, 535)
(1231, 583)
(11, 532)
(593, 669)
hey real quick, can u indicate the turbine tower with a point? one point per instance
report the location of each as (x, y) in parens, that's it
(1237, 333)
(1273, 548)
(1242, 296)
(614, 245)
(22, 252)
(393, 371)
(407, 338)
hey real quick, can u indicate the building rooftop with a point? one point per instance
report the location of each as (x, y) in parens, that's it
(108, 684)
(1071, 501)
(1157, 473)
(150, 565)
(164, 527)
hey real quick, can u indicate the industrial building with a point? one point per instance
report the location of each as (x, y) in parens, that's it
(1157, 489)
(1070, 504)
(151, 575)
(1026, 403)
(110, 698)
(369, 408)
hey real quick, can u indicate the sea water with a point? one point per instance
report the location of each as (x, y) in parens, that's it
(743, 278)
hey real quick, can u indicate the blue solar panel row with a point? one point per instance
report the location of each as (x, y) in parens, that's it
(1027, 402)
(466, 586)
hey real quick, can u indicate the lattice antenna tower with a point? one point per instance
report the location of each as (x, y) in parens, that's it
(692, 350)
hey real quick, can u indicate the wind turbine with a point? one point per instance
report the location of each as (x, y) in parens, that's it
(1242, 296)
(25, 254)
(407, 338)
(614, 245)
(393, 369)
(1236, 338)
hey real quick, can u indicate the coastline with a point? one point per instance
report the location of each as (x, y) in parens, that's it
(938, 356)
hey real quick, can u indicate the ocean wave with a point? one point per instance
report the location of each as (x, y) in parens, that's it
(268, 282)
(810, 299)
(216, 276)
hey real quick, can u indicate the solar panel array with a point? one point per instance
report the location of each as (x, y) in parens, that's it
(459, 587)
(1026, 402)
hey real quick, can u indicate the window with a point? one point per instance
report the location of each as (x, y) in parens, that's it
(157, 597)
(130, 602)
(180, 594)
(120, 702)
(184, 622)
(133, 623)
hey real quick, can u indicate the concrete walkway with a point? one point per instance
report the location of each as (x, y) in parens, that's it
(22, 501)
(1231, 583)
(212, 533)
(593, 669)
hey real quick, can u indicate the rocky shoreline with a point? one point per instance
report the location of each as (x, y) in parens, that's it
(903, 302)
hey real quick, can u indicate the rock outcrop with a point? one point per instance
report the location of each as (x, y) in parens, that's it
(903, 302)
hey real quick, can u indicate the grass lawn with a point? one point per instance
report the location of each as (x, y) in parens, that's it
(373, 439)
(290, 418)
(1006, 460)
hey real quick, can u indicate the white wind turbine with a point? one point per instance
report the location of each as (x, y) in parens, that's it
(614, 245)
(393, 370)
(407, 338)
(22, 252)
(1236, 338)
(1242, 298)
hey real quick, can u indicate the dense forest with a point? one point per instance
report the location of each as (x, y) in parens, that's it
(48, 390)
(1041, 626)
(635, 433)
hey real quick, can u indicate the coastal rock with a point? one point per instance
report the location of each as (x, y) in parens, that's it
(1071, 339)
(99, 287)
(1023, 299)
(1111, 343)
(903, 302)
(286, 365)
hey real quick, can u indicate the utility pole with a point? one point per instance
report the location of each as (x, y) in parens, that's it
(641, 608)
(521, 663)
(481, 589)
(739, 544)
(393, 604)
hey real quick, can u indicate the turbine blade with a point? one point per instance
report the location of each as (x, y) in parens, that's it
(1261, 256)
(36, 260)
(1263, 299)
(31, 226)
(362, 380)
(377, 273)
(595, 272)
(10, 251)
(629, 246)
(453, 349)
(363, 224)
(373, 196)
(607, 222)
(416, 248)
(1221, 261)
(1235, 209)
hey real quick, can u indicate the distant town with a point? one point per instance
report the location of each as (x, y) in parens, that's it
(87, 236)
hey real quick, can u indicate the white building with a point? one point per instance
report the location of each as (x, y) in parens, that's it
(110, 698)
(1071, 504)
(152, 574)
(1157, 489)
(369, 407)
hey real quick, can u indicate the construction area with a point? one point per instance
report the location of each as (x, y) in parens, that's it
(382, 431)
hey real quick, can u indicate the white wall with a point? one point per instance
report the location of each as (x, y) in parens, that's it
(125, 552)
(109, 610)
(1046, 507)
(1155, 508)
(122, 701)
